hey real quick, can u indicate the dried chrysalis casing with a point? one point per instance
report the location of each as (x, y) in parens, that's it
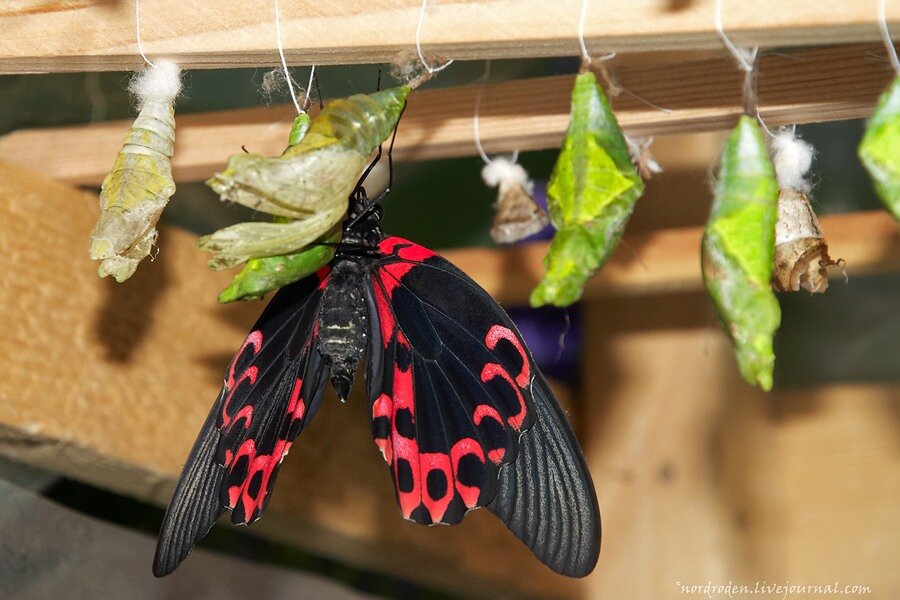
(264, 274)
(137, 189)
(239, 243)
(801, 254)
(309, 183)
(516, 214)
(407, 67)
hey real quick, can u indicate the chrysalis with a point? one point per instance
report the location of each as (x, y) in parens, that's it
(801, 253)
(516, 214)
(138, 187)
(879, 150)
(309, 183)
(262, 275)
(591, 194)
(738, 250)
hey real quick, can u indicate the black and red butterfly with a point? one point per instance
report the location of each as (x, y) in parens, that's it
(460, 411)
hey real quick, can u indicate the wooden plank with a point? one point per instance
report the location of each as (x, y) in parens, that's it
(669, 260)
(702, 478)
(822, 84)
(832, 444)
(234, 33)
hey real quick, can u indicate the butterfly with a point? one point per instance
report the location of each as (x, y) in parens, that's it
(459, 409)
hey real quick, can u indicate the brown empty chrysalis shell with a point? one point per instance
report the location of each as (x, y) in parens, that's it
(407, 67)
(516, 214)
(801, 254)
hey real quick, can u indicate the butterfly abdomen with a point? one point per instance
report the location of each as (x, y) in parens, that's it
(342, 323)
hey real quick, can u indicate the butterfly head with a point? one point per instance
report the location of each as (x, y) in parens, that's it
(363, 223)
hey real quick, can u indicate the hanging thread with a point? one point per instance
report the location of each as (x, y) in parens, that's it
(476, 121)
(287, 74)
(745, 58)
(886, 35)
(425, 64)
(585, 56)
(137, 31)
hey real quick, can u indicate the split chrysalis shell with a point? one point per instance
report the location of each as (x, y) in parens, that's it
(309, 184)
(801, 254)
(135, 192)
(516, 214)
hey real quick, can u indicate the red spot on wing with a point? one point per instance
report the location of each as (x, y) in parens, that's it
(492, 370)
(382, 407)
(405, 249)
(385, 314)
(322, 274)
(499, 332)
(254, 341)
(296, 406)
(496, 455)
(403, 447)
(245, 414)
(431, 461)
(486, 410)
(464, 447)
(408, 253)
(265, 464)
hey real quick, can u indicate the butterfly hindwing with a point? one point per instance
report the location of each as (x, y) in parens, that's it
(272, 389)
(463, 415)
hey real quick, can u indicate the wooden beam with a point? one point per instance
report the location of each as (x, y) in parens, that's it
(702, 478)
(821, 84)
(41, 35)
(669, 260)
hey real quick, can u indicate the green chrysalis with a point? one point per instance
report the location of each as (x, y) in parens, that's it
(591, 194)
(309, 183)
(879, 150)
(739, 247)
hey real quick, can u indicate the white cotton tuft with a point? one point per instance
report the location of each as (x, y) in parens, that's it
(792, 158)
(159, 83)
(502, 171)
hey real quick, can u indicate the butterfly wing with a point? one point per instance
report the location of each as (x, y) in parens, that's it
(463, 415)
(272, 389)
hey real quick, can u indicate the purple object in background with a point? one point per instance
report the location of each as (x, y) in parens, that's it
(540, 197)
(543, 327)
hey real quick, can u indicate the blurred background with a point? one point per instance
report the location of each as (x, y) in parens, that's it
(701, 479)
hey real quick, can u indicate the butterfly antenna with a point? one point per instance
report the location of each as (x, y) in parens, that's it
(319, 91)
